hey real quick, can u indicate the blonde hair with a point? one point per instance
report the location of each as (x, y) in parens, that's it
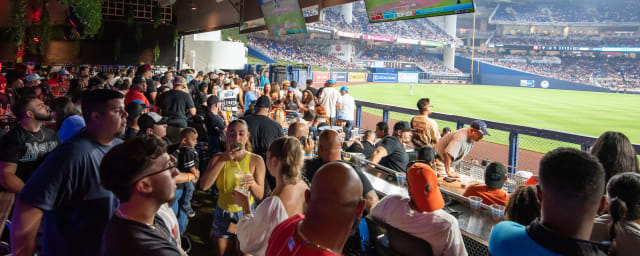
(279, 116)
(289, 151)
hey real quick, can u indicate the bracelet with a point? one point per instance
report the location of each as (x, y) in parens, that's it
(308, 156)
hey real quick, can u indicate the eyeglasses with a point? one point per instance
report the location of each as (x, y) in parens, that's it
(172, 164)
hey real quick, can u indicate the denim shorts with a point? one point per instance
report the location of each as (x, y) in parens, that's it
(222, 219)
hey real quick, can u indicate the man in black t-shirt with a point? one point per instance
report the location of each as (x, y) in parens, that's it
(134, 111)
(216, 124)
(65, 192)
(175, 105)
(143, 176)
(22, 150)
(329, 146)
(390, 152)
(365, 146)
(263, 130)
(151, 91)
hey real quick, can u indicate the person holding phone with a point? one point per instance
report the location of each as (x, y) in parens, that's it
(222, 169)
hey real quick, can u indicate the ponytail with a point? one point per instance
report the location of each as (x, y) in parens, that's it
(618, 212)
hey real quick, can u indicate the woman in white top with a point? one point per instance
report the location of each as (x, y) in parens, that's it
(621, 225)
(284, 162)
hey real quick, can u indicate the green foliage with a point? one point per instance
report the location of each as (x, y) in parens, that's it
(89, 12)
(156, 52)
(45, 30)
(19, 22)
(176, 37)
(157, 17)
(128, 12)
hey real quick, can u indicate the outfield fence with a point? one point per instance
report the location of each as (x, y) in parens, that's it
(518, 147)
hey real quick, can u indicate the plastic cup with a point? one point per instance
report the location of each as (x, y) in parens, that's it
(464, 181)
(497, 211)
(401, 178)
(475, 202)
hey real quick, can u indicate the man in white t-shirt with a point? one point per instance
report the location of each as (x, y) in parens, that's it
(347, 108)
(421, 215)
(328, 99)
(229, 97)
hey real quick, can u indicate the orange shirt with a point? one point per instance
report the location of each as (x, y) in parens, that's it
(489, 197)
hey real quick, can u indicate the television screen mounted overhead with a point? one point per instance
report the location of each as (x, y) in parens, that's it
(283, 16)
(390, 10)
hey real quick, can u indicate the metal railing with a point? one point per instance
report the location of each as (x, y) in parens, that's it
(514, 131)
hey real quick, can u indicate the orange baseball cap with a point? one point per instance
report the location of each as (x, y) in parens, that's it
(423, 187)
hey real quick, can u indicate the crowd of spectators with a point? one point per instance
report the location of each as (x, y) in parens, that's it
(424, 61)
(120, 183)
(610, 72)
(420, 29)
(605, 12)
(299, 52)
(569, 41)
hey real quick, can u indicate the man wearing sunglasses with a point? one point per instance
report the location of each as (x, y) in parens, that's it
(453, 147)
(143, 176)
(65, 191)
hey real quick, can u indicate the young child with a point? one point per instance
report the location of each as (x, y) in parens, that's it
(188, 161)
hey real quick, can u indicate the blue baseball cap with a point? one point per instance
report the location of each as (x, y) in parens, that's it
(481, 126)
(344, 88)
(331, 81)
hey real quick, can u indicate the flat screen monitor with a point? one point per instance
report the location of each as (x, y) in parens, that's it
(283, 16)
(390, 10)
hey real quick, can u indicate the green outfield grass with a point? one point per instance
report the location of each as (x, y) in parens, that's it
(587, 113)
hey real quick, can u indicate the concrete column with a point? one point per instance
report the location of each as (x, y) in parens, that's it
(346, 10)
(449, 52)
(448, 56)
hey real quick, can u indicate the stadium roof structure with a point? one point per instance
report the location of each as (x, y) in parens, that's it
(197, 16)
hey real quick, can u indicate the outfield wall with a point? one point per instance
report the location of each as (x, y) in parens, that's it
(489, 74)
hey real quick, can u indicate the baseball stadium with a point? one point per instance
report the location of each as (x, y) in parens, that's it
(320, 127)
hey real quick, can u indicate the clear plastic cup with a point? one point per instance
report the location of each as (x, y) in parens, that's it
(475, 202)
(401, 178)
(464, 181)
(497, 211)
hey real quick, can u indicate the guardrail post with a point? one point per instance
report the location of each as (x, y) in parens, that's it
(385, 115)
(358, 115)
(459, 125)
(514, 141)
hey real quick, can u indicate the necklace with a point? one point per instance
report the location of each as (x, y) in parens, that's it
(124, 216)
(40, 134)
(305, 240)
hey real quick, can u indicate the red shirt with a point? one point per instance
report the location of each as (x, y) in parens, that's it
(489, 197)
(284, 241)
(136, 95)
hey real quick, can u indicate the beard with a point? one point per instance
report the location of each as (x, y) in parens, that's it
(43, 116)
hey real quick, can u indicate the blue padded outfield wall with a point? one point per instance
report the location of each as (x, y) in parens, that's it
(255, 53)
(484, 73)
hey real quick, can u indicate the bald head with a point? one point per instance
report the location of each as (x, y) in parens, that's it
(335, 189)
(329, 146)
(298, 129)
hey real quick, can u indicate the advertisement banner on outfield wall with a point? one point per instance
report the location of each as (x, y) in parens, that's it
(339, 76)
(528, 83)
(407, 77)
(348, 34)
(357, 77)
(378, 38)
(431, 43)
(407, 41)
(321, 77)
(385, 77)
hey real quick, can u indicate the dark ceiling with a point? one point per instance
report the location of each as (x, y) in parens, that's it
(211, 15)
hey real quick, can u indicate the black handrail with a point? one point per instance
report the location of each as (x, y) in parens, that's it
(583, 140)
